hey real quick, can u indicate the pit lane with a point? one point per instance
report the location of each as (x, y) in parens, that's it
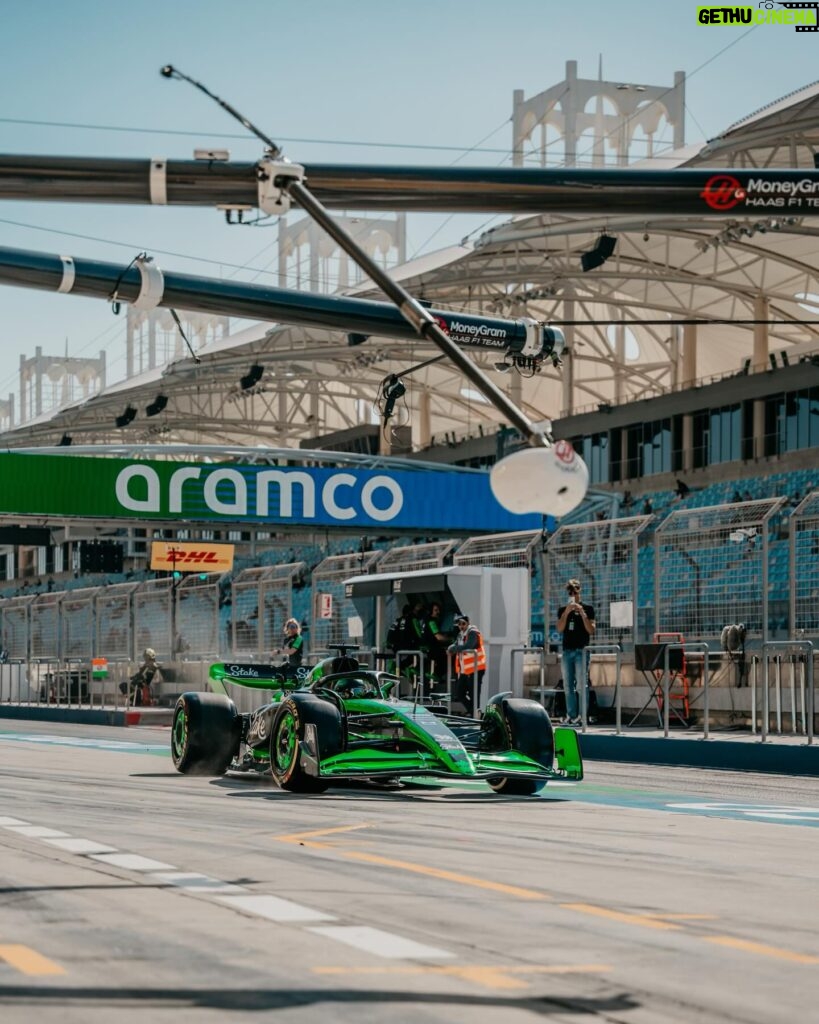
(598, 901)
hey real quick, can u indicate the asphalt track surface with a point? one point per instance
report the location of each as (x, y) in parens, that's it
(130, 892)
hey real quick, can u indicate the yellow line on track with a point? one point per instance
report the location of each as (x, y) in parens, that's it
(298, 837)
(28, 961)
(682, 917)
(309, 839)
(489, 976)
(762, 950)
(641, 920)
(448, 876)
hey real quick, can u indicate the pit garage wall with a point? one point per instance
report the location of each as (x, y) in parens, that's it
(498, 603)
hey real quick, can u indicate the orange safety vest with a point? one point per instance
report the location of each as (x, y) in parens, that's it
(467, 663)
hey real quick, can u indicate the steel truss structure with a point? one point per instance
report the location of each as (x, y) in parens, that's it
(748, 280)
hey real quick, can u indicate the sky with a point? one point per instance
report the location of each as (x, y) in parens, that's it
(378, 81)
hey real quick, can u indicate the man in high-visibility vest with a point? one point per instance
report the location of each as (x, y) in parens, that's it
(470, 664)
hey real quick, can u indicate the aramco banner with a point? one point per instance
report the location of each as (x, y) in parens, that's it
(372, 499)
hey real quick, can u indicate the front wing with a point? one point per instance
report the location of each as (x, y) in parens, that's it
(364, 763)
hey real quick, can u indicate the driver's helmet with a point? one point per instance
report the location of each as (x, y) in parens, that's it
(352, 688)
(149, 654)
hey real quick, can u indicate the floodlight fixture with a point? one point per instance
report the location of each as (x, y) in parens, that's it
(157, 406)
(252, 377)
(597, 256)
(127, 417)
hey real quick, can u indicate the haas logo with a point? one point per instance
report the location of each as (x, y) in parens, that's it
(564, 452)
(723, 192)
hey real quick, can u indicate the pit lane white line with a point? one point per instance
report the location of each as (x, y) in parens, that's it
(271, 908)
(373, 940)
(274, 908)
(131, 861)
(74, 845)
(193, 882)
(36, 831)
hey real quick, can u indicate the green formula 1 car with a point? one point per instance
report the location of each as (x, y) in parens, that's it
(342, 723)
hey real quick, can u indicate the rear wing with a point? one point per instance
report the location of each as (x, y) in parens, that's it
(253, 676)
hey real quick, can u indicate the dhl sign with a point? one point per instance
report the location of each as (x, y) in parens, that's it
(190, 556)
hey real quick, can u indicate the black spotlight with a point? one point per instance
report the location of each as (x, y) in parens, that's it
(252, 377)
(157, 406)
(597, 256)
(127, 417)
(65, 441)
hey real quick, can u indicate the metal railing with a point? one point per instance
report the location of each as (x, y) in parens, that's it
(598, 649)
(808, 702)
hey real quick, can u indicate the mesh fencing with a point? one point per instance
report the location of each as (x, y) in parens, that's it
(604, 557)
(262, 601)
(45, 626)
(153, 619)
(417, 556)
(332, 609)
(16, 628)
(77, 621)
(197, 616)
(803, 567)
(115, 639)
(712, 569)
(510, 550)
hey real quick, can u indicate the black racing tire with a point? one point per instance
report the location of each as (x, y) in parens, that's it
(205, 734)
(295, 713)
(528, 729)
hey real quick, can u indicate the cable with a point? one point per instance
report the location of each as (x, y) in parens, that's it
(196, 358)
(244, 138)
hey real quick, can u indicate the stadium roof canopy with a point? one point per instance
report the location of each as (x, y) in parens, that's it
(663, 270)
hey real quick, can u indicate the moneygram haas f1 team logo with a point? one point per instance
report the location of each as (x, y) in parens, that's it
(722, 192)
(564, 452)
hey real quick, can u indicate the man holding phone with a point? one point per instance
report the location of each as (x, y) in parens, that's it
(575, 622)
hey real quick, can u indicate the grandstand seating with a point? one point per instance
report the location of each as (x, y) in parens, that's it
(721, 570)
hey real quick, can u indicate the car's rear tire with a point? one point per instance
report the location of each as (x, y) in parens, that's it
(294, 715)
(527, 728)
(205, 734)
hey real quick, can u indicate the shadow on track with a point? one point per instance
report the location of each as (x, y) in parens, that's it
(255, 1000)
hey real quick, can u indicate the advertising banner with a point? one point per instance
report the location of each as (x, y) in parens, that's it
(191, 556)
(368, 499)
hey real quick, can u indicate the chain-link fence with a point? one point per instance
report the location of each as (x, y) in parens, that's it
(803, 568)
(197, 616)
(501, 550)
(603, 556)
(16, 626)
(332, 609)
(115, 634)
(153, 617)
(262, 601)
(416, 557)
(712, 568)
(77, 623)
(45, 626)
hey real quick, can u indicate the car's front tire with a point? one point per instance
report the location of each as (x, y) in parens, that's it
(205, 734)
(289, 726)
(522, 725)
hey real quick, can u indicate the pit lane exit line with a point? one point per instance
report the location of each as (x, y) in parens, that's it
(29, 961)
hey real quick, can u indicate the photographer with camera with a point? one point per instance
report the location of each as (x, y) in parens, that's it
(575, 622)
